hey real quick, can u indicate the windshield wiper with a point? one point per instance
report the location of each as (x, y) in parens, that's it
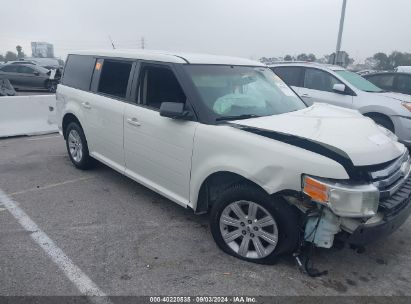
(244, 116)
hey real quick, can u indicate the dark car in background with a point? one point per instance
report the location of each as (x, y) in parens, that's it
(391, 81)
(28, 77)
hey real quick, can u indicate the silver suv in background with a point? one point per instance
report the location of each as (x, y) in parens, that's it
(335, 85)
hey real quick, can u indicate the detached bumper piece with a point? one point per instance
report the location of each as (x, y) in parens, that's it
(395, 210)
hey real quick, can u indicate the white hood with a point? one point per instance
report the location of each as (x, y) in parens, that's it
(359, 137)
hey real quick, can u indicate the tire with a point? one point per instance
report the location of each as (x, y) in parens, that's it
(383, 121)
(283, 230)
(77, 148)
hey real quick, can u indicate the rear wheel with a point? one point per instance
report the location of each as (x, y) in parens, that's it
(77, 147)
(249, 224)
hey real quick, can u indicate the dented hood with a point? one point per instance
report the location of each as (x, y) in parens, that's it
(347, 130)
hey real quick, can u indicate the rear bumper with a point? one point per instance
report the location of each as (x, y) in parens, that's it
(395, 212)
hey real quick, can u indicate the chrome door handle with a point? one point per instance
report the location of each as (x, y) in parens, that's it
(86, 105)
(133, 121)
(305, 95)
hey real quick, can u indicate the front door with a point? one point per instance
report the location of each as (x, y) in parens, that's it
(318, 87)
(158, 149)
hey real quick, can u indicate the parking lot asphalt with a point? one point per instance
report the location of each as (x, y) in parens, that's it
(129, 240)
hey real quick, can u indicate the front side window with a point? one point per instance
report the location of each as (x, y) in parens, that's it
(114, 78)
(235, 92)
(25, 70)
(320, 80)
(158, 85)
(359, 82)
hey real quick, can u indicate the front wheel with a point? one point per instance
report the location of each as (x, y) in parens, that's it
(249, 224)
(77, 147)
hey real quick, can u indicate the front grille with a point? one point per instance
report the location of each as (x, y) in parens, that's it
(389, 179)
(398, 201)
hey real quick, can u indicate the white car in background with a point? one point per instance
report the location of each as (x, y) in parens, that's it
(335, 85)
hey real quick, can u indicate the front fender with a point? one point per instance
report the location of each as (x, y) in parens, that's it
(271, 164)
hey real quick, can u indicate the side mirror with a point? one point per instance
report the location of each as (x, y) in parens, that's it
(174, 110)
(36, 73)
(339, 88)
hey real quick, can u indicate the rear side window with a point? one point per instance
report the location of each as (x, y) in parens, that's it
(404, 84)
(385, 81)
(9, 68)
(114, 78)
(290, 75)
(78, 72)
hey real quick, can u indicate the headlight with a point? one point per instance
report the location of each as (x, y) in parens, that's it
(344, 199)
(406, 105)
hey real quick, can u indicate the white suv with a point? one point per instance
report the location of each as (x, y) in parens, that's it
(227, 136)
(335, 85)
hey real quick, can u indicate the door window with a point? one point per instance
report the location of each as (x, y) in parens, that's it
(290, 75)
(158, 85)
(385, 81)
(78, 71)
(25, 70)
(114, 78)
(404, 84)
(9, 68)
(316, 79)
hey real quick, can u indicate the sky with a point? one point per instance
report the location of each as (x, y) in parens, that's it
(245, 28)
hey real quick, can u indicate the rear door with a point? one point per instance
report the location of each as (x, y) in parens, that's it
(10, 72)
(105, 109)
(158, 149)
(30, 78)
(318, 87)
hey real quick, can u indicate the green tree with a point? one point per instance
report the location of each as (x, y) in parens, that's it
(398, 58)
(20, 53)
(382, 61)
(311, 57)
(288, 58)
(302, 57)
(10, 56)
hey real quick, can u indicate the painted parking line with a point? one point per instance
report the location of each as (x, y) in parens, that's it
(83, 283)
(70, 181)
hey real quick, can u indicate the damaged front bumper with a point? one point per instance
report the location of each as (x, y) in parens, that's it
(392, 213)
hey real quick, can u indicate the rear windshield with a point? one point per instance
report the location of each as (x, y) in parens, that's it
(359, 82)
(235, 92)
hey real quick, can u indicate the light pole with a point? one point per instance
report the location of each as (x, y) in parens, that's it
(338, 49)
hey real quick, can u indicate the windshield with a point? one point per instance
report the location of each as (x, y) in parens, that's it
(238, 92)
(359, 82)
